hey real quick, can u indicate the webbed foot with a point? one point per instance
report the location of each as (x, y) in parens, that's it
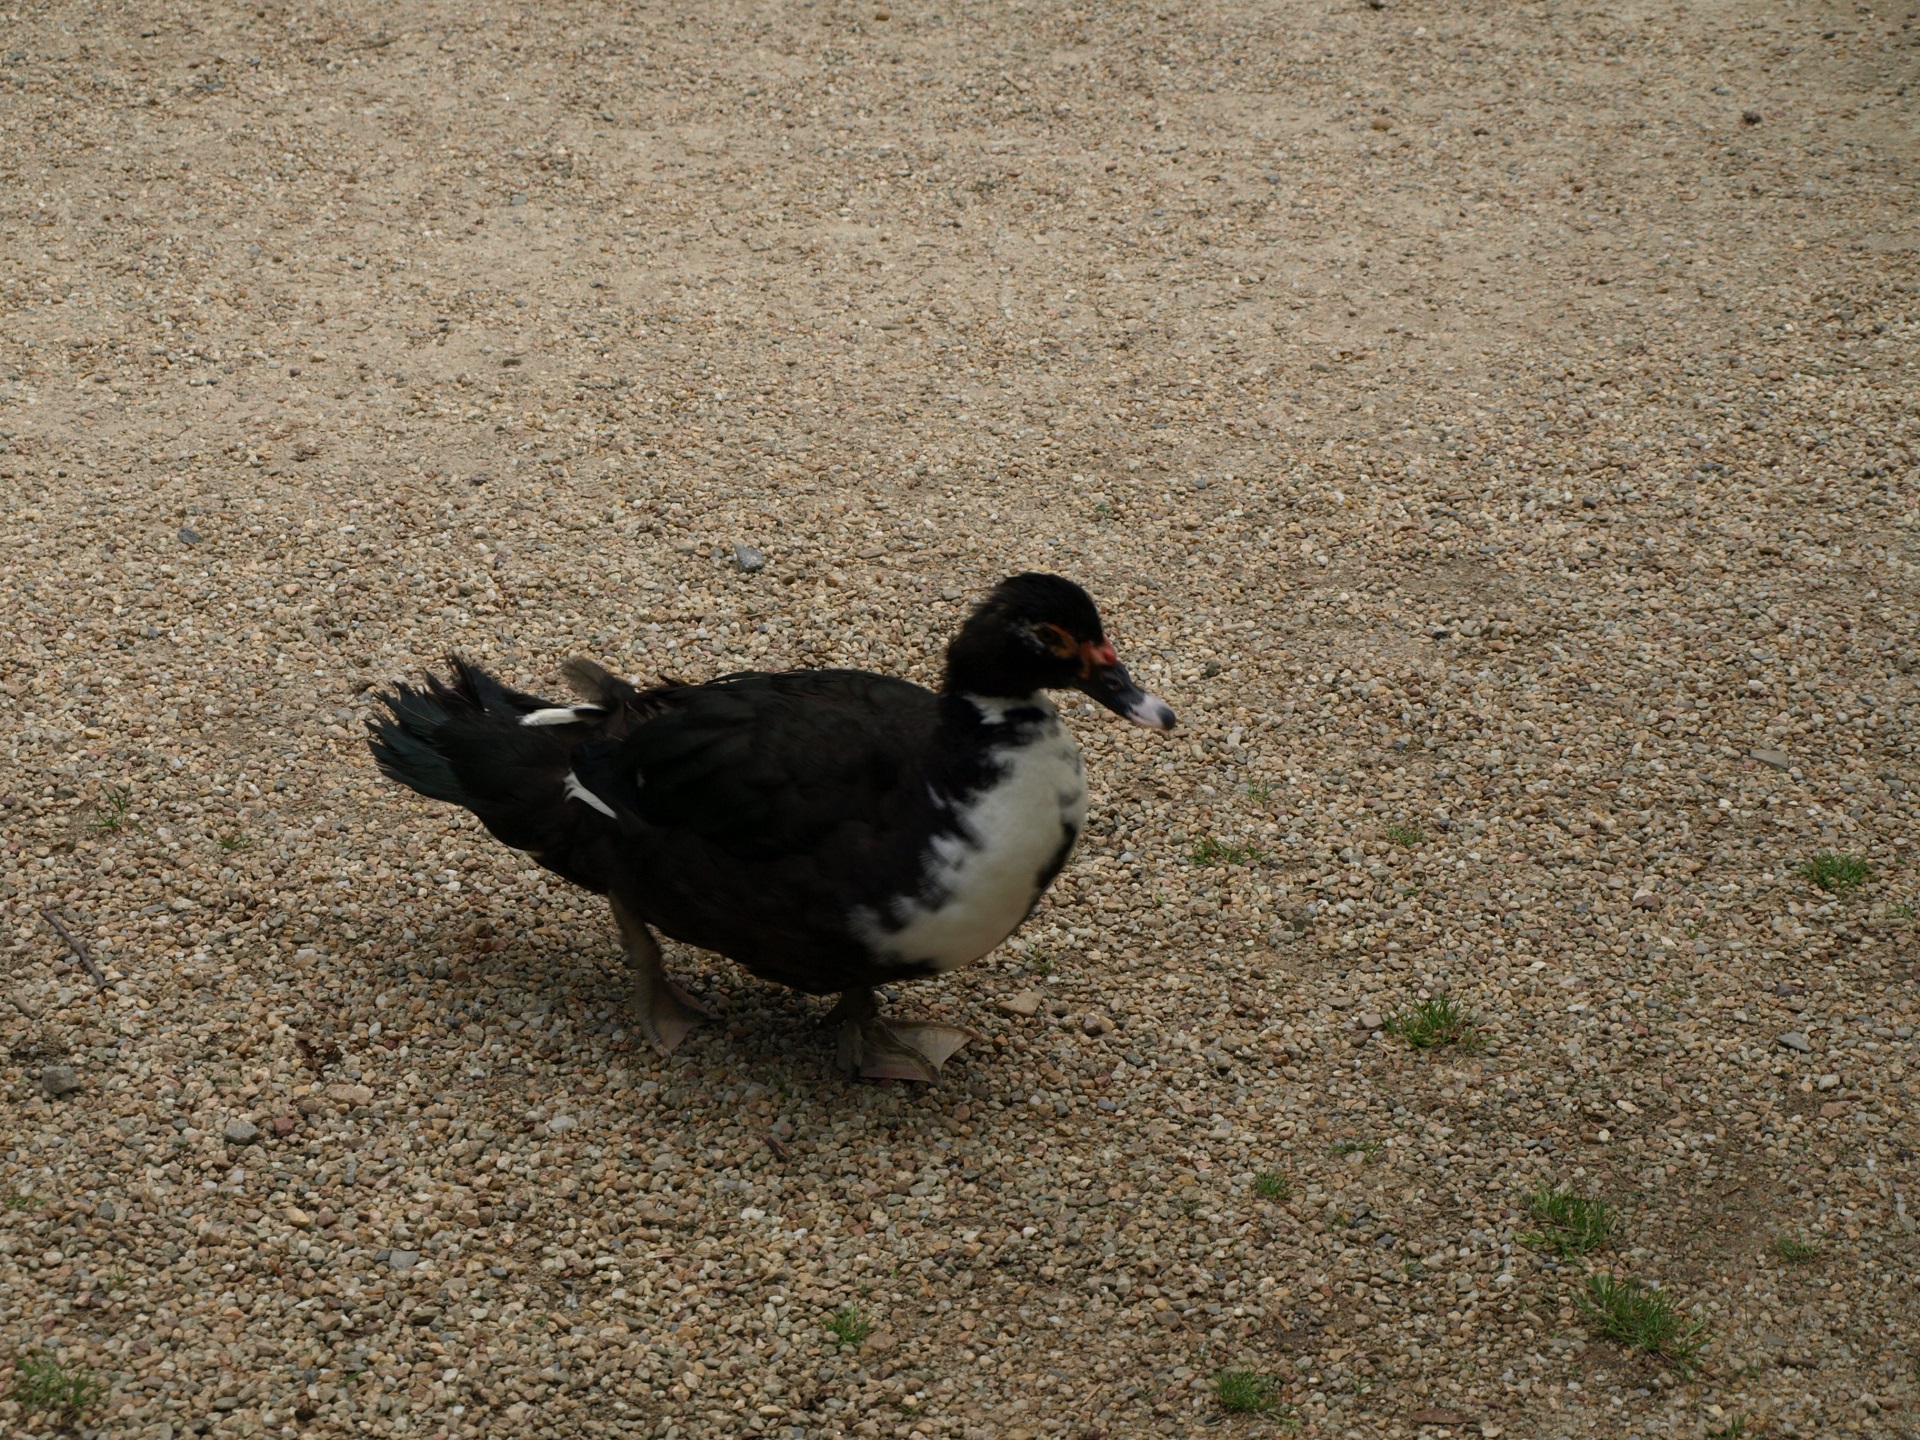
(661, 1009)
(878, 1048)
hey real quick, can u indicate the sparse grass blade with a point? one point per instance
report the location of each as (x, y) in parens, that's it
(848, 1326)
(1271, 1185)
(1794, 1250)
(1642, 1318)
(1836, 874)
(1405, 835)
(1439, 1021)
(1242, 1392)
(111, 813)
(1573, 1224)
(42, 1383)
(1209, 851)
(1340, 1149)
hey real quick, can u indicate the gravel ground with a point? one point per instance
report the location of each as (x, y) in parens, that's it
(1490, 426)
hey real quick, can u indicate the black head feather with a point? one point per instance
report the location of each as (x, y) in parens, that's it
(1027, 635)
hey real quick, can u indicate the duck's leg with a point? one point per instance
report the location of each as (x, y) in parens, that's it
(664, 1012)
(883, 1049)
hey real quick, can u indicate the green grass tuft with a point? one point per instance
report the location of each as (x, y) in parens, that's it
(1574, 1224)
(1734, 1429)
(231, 843)
(1794, 1250)
(1369, 1148)
(1436, 1022)
(1271, 1185)
(1405, 835)
(1241, 1392)
(1836, 874)
(14, 1200)
(42, 1383)
(111, 813)
(1209, 851)
(1642, 1318)
(848, 1326)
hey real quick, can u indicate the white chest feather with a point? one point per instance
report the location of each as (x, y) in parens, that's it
(982, 881)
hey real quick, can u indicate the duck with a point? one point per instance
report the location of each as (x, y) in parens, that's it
(832, 831)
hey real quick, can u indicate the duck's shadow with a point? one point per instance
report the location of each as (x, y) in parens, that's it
(569, 997)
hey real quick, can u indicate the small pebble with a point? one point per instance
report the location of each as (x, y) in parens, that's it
(748, 559)
(241, 1132)
(1795, 1040)
(59, 1080)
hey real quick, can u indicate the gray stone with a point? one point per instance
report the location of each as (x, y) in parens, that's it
(401, 1261)
(241, 1132)
(1779, 759)
(189, 535)
(748, 559)
(1025, 1004)
(1369, 1020)
(1795, 1040)
(58, 1080)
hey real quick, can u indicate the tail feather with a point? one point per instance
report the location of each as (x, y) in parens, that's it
(470, 742)
(404, 752)
(409, 744)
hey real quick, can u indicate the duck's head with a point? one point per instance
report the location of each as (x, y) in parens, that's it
(1040, 632)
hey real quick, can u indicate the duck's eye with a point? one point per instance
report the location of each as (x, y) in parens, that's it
(1057, 640)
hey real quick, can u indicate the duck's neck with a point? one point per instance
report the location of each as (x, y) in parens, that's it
(973, 725)
(978, 733)
(1001, 710)
(984, 663)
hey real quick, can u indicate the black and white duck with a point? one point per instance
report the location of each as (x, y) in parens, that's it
(830, 830)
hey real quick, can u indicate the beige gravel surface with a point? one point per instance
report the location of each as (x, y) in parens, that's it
(1491, 426)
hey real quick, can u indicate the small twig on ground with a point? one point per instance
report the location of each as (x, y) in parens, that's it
(79, 950)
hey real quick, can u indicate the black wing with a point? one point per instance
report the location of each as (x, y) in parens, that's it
(760, 766)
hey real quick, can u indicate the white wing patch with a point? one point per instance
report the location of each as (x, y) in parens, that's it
(560, 714)
(577, 791)
(988, 875)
